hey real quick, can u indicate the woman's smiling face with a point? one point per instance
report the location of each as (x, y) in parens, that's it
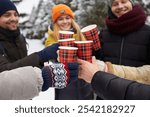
(64, 22)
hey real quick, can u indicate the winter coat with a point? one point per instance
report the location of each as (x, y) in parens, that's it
(13, 52)
(139, 74)
(50, 39)
(20, 84)
(132, 49)
(108, 86)
(124, 44)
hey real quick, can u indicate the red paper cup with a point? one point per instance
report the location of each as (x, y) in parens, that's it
(84, 50)
(91, 33)
(67, 54)
(65, 34)
(67, 42)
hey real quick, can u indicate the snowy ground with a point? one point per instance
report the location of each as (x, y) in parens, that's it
(34, 46)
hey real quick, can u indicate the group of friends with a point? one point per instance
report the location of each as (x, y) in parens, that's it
(120, 69)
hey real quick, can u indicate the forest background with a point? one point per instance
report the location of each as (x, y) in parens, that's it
(35, 20)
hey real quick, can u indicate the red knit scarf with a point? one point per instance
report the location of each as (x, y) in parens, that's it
(128, 22)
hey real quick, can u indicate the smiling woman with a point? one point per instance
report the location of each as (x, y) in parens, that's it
(63, 19)
(64, 22)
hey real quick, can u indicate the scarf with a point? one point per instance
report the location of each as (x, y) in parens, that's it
(10, 35)
(128, 22)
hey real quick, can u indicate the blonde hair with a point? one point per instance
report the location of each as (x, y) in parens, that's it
(79, 37)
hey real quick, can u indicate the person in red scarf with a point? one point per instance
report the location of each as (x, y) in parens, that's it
(126, 40)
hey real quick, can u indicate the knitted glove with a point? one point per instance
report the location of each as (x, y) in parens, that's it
(102, 66)
(59, 75)
(73, 70)
(48, 53)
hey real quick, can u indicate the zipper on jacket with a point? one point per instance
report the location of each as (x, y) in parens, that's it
(121, 48)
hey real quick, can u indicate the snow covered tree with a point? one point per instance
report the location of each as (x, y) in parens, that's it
(40, 18)
(91, 12)
(86, 12)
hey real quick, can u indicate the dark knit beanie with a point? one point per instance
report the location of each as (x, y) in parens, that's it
(110, 2)
(6, 5)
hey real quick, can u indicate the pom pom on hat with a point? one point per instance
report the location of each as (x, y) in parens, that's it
(6, 5)
(59, 10)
